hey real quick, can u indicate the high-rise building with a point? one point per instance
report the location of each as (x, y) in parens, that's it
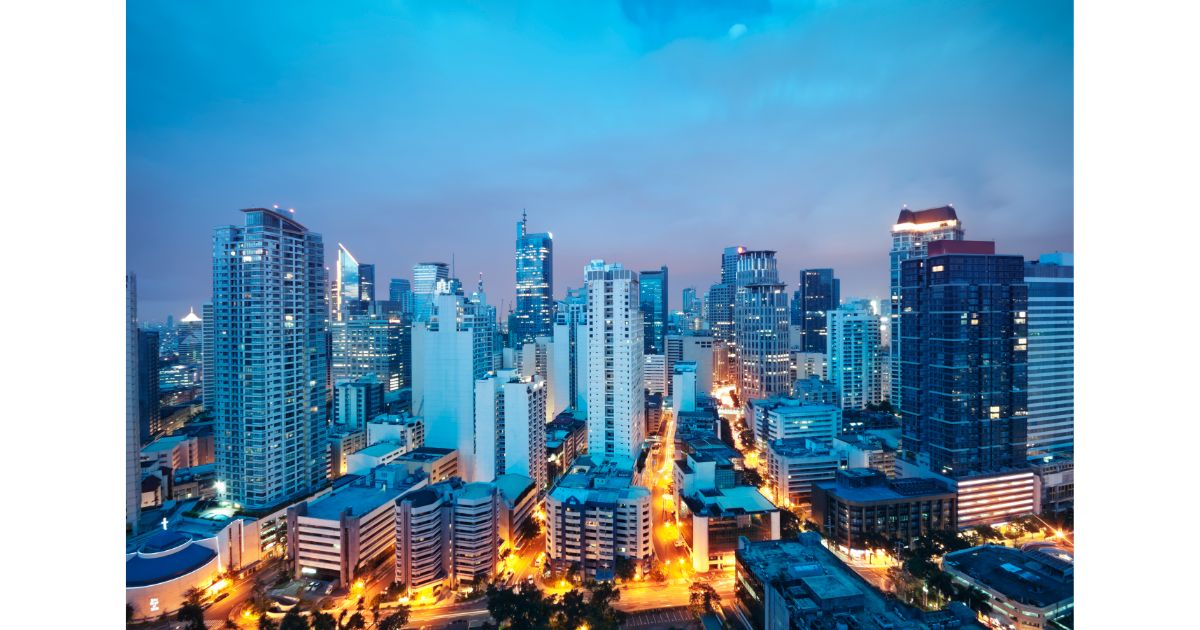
(719, 304)
(569, 380)
(149, 418)
(817, 294)
(856, 357)
(425, 281)
(535, 361)
(357, 401)
(372, 344)
(534, 314)
(761, 328)
(510, 421)
(911, 234)
(693, 310)
(616, 397)
(400, 293)
(191, 339)
(652, 287)
(208, 357)
(964, 343)
(1051, 322)
(354, 286)
(270, 385)
(133, 445)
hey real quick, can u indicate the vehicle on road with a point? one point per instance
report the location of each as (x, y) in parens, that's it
(220, 597)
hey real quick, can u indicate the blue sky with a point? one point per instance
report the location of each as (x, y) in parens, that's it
(642, 132)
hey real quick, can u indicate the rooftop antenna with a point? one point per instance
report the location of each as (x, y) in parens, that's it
(452, 273)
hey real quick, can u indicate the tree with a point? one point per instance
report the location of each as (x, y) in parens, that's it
(193, 596)
(751, 477)
(601, 614)
(323, 621)
(625, 568)
(703, 598)
(293, 621)
(355, 622)
(571, 611)
(192, 616)
(230, 625)
(529, 529)
(396, 620)
(394, 591)
(265, 623)
(524, 610)
(747, 437)
(129, 610)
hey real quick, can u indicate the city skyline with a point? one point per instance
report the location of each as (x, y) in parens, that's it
(804, 154)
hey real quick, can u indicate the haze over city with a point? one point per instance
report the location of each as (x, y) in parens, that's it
(646, 133)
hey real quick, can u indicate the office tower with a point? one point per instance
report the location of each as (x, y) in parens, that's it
(209, 359)
(510, 421)
(616, 398)
(911, 235)
(761, 328)
(817, 294)
(652, 287)
(534, 314)
(133, 443)
(354, 286)
(400, 293)
(1051, 322)
(371, 344)
(190, 339)
(720, 301)
(357, 401)
(270, 384)
(856, 353)
(693, 310)
(964, 338)
(569, 381)
(149, 420)
(425, 281)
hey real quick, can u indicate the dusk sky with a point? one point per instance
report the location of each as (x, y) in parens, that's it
(640, 132)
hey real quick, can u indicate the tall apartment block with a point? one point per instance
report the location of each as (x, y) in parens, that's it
(856, 358)
(1051, 321)
(270, 379)
(616, 398)
(964, 350)
(911, 234)
(570, 348)
(510, 426)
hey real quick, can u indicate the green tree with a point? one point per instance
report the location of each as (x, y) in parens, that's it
(129, 611)
(571, 611)
(703, 598)
(523, 610)
(529, 529)
(625, 568)
(323, 621)
(397, 620)
(293, 621)
(395, 590)
(751, 477)
(601, 614)
(265, 623)
(192, 616)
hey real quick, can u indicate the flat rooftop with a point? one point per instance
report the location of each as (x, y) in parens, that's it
(380, 449)
(358, 499)
(425, 454)
(1034, 577)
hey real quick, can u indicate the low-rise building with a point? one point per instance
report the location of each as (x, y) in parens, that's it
(566, 439)
(795, 466)
(1056, 485)
(191, 550)
(343, 442)
(341, 534)
(400, 428)
(439, 464)
(868, 450)
(197, 482)
(1027, 589)
(374, 456)
(989, 498)
(792, 418)
(713, 519)
(595, 515)
(173, 452)
(862, 506)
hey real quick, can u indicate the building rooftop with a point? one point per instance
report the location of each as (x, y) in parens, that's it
(726, 501)
(1038, 577)
(358, 499)
(380, 449)
(932, 215)
(511, 485)
(865, 485)
(164, 444)
(425, 454)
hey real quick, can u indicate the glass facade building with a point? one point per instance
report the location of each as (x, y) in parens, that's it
(534, 313)
(1051, 281)
(818, 293)
(653, 302)
(761, 328)
(270, 379)
(965, 338)
(426, 276)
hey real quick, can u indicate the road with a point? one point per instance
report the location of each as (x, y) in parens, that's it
(659, 476)
(240, 591)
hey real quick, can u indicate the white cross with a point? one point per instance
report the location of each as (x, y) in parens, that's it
(164, 523)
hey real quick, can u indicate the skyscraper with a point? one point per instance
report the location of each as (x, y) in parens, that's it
(653, 304)
(534, 314)
(570, 348)
(1051, 321)
(149, 420)
(354, 288)
(133, 446)
(761, 328)
(719, 304)
(817, 294)
(400, 293)
(911, 234)
(693, 310)
(510, 421)
(371, 344)
(856, 357)
(270, 380)
(963, 392)
(615, 393)
(425, 280)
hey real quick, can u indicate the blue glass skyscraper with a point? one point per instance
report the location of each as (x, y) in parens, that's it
(653, 301)
(818, 293)
(1051, 319)
(534, 313)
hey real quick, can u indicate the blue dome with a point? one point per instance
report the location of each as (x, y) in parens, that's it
(142, 571)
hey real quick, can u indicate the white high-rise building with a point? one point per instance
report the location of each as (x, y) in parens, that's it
(133, 470)
(683, 390)
(1051, 356)
(655, 373)
(855, 341)
(510, 422)
(536, 362)
(443, 355)
(761, 319)
(569, 380)
(271, 379)
(911, 235)
(615, 395)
